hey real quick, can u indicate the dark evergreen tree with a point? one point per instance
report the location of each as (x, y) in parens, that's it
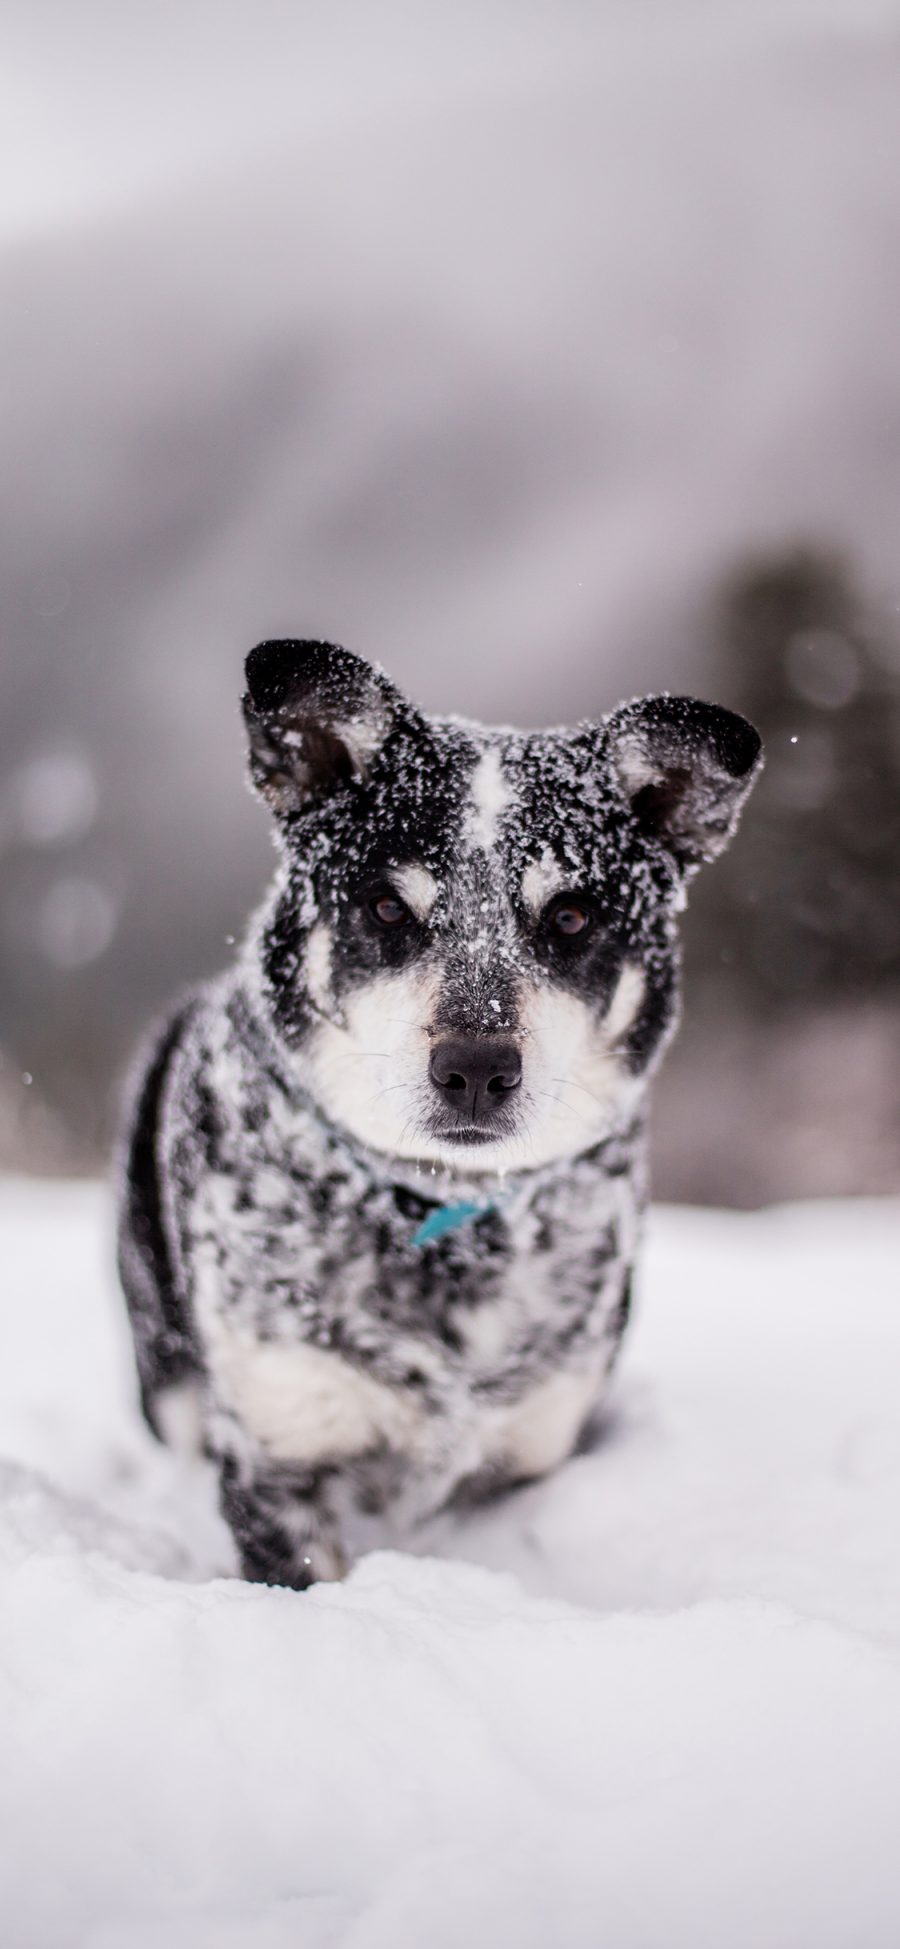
(806, 909)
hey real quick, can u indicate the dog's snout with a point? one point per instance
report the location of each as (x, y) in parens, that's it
(475, 1074)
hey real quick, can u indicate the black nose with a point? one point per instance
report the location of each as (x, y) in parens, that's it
(475, 1075)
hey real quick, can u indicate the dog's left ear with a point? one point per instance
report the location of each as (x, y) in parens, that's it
(315, 716)
(685, 768)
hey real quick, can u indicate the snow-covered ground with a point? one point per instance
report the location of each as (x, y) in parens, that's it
(653, 1703)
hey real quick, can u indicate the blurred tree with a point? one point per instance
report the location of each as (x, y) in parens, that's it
(805, 909)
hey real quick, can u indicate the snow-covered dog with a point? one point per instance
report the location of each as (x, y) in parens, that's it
(384, 1177)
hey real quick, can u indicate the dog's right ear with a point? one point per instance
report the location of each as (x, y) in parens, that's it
(315, 717)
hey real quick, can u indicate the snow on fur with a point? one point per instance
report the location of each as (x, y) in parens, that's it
(653, 1701)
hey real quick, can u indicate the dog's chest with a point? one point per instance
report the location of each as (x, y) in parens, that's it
(330, 1334)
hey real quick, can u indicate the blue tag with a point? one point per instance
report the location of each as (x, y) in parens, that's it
(446, 1219)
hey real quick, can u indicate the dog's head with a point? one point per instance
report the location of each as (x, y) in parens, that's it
(472, 950)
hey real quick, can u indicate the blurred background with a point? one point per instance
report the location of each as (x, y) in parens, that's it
(547, 351)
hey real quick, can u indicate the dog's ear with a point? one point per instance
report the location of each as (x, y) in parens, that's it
(685, 768)
(315, 716)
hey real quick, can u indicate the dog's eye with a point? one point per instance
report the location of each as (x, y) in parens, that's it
(569, 918)
(388, 910)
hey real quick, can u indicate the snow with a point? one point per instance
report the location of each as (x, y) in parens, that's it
(652, 1702)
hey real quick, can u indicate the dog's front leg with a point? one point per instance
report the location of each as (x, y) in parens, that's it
(282, 1524)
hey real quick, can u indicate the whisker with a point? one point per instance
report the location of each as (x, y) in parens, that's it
(568, 1107)
(569, 1082)
(353, 1055)
(384, 1092)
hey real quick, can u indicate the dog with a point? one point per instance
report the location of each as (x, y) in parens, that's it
(383, 1180)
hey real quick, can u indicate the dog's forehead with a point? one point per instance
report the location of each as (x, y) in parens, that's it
(466, 792)
(535, 796)
(466, 802)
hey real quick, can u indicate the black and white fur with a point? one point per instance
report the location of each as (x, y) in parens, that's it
(457, 989)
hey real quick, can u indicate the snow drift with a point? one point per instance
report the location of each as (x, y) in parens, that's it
(652, 1701)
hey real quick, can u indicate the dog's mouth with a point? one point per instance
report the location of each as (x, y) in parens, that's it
(462, 1135)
